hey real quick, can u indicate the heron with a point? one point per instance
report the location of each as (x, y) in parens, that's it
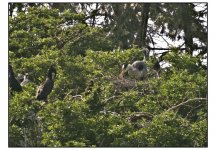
(136, 70)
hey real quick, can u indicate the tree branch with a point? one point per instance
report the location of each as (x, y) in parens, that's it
(193, 110)
(189, 100)
(77, 96)
(138, 115)
(108, 99)
(152, 48)
(163, 38)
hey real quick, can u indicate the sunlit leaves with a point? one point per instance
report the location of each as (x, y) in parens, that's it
(89, 105)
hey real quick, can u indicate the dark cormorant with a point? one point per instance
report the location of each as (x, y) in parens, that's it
(46, 87)
(13, 83)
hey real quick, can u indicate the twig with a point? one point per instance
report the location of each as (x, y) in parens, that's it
(153, 43)
(101, 143)
(110, 98)
(73, 97)
(77, 96)
(138, 115)
(189, 100)
(164, 39)
(192, 110)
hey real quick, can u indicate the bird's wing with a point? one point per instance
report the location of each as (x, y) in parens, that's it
(45, 87)
(138, 65)
(39, 89)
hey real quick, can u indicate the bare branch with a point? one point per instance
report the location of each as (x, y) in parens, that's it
(183, 103)
(152, 48)
(163, 39)
(138, 115)
(110, 98)
(77, 96)
(153, 43)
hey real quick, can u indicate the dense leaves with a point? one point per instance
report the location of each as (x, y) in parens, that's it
(90, 106)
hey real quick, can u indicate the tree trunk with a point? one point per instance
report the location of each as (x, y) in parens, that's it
(188, 39)
(144, 24)
(187, 25)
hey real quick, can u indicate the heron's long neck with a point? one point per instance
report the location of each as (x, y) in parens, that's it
(130, 67)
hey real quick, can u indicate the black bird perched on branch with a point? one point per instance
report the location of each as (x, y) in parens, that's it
(137, 70)
(46, 87)
(13, 83)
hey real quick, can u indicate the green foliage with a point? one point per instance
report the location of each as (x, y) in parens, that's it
(169, 111)
(100, 117)
(45, 29)
(82, 38)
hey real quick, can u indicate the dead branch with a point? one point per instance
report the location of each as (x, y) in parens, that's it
(183, 103)
(77, 96)
(109, 99)
(163, 39)
(138, 115)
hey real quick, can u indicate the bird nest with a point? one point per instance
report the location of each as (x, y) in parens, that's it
(122, 83)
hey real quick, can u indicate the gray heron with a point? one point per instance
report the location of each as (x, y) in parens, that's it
(136, 70)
